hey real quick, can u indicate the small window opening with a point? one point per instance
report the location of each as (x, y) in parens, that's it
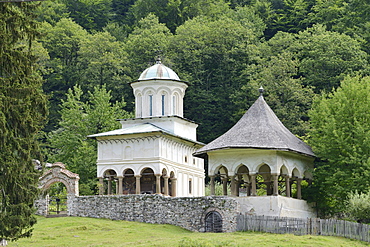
(150, 105)
(190, 186)
(163, 98)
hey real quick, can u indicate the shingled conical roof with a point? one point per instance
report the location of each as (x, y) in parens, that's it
(259, 128)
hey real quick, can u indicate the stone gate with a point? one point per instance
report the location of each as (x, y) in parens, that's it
(57, 173)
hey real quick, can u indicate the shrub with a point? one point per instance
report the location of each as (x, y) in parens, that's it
(358, 206)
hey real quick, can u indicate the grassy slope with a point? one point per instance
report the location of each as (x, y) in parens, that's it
(75, 231)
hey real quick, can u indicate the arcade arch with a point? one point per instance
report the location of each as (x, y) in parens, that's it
(145, 181)
(246, 182)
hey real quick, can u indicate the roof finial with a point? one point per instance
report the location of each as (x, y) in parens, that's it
(158, 59)
(159, 55)
(261, 90)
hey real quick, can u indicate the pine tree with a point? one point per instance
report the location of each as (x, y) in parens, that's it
(22, 113)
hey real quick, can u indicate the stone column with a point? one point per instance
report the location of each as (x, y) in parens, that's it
(109, 185)
(165, 185)
(138, 189)
(254, 188)
(268, 188)
(158, 183)
(224, 186)
(299, 194)
(248, 188)
(174, 186)
(237, 186)
(287, 185)
(120, 186)
(275, 191)
(101, 187)
(212, 185)
(233, 186)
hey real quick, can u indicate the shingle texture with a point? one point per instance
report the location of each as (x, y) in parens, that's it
(258, 128)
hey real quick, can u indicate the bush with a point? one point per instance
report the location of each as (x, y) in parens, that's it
(358, 206)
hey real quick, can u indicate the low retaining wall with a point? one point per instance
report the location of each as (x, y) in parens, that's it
(186, 212)
(279, 206)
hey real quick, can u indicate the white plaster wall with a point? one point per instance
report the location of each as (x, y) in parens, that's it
(155, 152)
(276, 206)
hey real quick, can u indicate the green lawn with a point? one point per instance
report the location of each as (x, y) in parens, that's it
(76, 231)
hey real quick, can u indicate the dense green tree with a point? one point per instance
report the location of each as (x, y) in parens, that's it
(340, 137)
(345, 16)
(324, 57)
(69, 143)
(174, 13)
(149, 39)
(102, 61)
(52, 11)
(63, 70)
(211, 54)
(22, 114)
(284, 91)
(92, 15)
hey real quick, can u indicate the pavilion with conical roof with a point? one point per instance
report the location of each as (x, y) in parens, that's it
(262, 162)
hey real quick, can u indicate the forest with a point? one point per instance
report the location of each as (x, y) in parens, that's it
(311, 57)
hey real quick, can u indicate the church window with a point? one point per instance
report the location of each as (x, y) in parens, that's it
(174, 105)
(193, 161)
(190, 186)
(186, 159)
(150, 105)
(163, 98)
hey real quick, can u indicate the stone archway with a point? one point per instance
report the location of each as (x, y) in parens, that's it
(57, 173)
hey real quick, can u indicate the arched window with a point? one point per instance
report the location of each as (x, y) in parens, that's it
(163, 103)
(150, 105)
(213, 222)
(173, 105)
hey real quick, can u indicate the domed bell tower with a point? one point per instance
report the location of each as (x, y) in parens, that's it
(159, 92)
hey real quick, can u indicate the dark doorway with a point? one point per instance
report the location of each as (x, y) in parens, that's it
(213, 222)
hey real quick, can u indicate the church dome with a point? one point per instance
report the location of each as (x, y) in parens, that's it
(159, 71)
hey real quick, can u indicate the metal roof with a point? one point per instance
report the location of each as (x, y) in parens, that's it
(140, 129)
(259, 128)
(159, 71)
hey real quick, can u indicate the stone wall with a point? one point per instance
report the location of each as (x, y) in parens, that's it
(186, 212)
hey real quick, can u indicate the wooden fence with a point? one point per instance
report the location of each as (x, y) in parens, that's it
(299, 226)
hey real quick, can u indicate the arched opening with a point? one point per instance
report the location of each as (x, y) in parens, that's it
(243, 184)
(129, 182)
(111, 183)
(264, 183)
(222, 178)
(284, 182)
(213, 222)
(56, 195)
(147, 182)
(150, 100)
(296, 184)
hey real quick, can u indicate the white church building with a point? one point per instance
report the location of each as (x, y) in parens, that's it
(152, 153)
(259, 161)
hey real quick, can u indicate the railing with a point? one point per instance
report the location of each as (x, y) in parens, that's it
(298, 226)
